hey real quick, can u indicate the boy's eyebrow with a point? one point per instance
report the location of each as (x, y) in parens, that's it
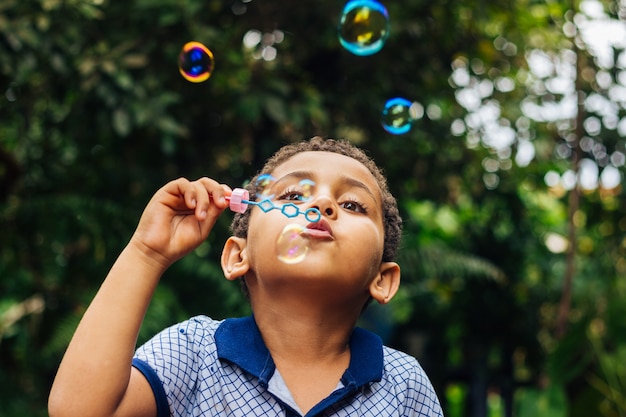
(356, 183)
(300, 175)
(353, 182)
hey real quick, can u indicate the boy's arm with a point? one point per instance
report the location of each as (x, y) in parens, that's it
(95, 377)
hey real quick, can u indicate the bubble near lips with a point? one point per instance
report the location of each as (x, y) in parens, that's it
(292, 245)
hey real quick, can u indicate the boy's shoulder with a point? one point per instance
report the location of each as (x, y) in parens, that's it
(201, 325)
(197, 333)
(401, 365)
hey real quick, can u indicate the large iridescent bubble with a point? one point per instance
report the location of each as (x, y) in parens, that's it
(363, 27)
(292, 246)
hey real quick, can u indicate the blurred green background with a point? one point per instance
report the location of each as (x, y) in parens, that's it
(510, 182)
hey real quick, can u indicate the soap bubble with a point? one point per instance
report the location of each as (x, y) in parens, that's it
(399, 114)
(292, 246)
(195, 62)
(363, 27)
(264, 185)
(306, 188)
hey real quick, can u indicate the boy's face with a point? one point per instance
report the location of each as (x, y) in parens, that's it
(345, 246)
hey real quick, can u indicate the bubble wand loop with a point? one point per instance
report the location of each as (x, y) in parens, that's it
(239, 201)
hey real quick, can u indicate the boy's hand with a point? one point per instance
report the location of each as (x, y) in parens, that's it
(179, 218)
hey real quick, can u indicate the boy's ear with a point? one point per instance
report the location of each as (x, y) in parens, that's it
(386, 283)
(235, 258)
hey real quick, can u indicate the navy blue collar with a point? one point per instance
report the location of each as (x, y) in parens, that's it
(239, 341)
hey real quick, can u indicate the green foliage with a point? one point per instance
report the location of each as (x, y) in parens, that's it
(95, 117)
(550, 401)
(612, 383)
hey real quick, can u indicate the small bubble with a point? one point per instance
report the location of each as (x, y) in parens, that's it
(195, 62)
(264, 185)
(306, 188)
(363, 27)
(398, 115)
(292, 246)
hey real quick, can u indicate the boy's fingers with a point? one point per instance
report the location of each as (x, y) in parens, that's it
(188, 192)
(209, 193)
(219, 195)
(202, 200)
(216, 192)
(201, 195)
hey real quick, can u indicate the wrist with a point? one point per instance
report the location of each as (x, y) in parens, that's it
(145, 257)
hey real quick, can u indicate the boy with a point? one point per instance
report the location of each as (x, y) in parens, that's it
(300, 353)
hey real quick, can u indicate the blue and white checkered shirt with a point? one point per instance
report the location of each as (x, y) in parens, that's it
(203, 367)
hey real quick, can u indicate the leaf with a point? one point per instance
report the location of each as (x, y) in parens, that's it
(121, 122)
(275, 109)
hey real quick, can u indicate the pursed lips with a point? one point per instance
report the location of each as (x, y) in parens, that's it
(320, 230)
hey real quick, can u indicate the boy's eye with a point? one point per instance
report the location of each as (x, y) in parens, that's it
(291, 195)
(353, 206)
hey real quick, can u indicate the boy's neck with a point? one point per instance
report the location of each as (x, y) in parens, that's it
(301, 332)
(310, 348)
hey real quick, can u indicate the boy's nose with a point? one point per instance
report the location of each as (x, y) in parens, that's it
(325, 205)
